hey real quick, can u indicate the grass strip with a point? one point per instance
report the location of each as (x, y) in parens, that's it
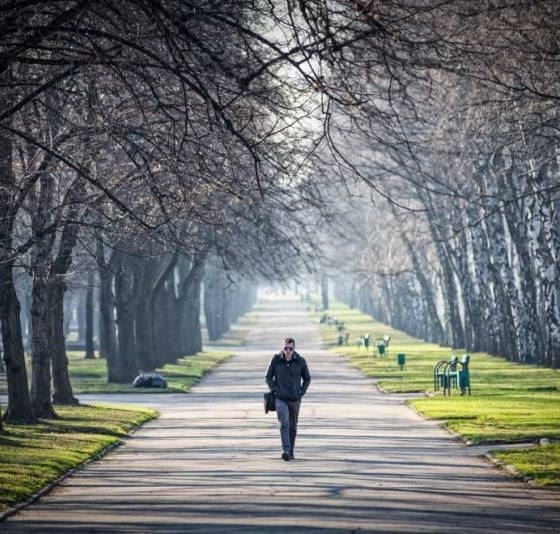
(541, 464)
(510, 402)
(33, 456)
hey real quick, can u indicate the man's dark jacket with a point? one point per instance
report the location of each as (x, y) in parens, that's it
(288, 379)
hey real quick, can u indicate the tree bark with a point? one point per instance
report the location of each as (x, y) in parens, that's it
(145, 289)
(162, 311)
(189, 306)
(107, 331)
(19, 402)
(90, 349)
(325, 291)
(40, 350)
(429, 299)
(81, 314)
(531, 334)
(125, 368)
(192, 309)
(546, 245)
(212, 303)
(62, 388)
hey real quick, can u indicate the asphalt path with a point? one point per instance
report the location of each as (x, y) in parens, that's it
(364, 461)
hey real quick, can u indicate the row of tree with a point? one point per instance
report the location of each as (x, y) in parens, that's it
(460, 242)
(146, 145)
(149, 141)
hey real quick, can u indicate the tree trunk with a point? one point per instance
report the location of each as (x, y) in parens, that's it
(144, 339)
(188, 306)
(90, 349)
(530, 332)
(19, 402)
(192, 310)
(161, 319)
(353, 300)
(546, 242)
(125, 369)
(212, 303)
(175, 323)
(325, 291)
(62, 389)
(429, 298)
(107, 331)
(161, 307)
(68, 309)
(81, 314)
(40, 350)
(143, 325)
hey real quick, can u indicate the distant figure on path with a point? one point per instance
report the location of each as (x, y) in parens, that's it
(288, 378)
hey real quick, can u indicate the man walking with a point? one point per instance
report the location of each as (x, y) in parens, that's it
(288, 378)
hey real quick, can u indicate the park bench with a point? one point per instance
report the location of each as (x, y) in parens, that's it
(454, 374)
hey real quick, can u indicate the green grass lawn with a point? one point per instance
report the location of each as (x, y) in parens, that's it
(32, 456)
(541, 464)
(90, 376)
(509, 402)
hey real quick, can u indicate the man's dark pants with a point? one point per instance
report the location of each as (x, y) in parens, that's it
(288, 413)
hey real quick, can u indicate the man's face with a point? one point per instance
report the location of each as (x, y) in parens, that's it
(288, 350)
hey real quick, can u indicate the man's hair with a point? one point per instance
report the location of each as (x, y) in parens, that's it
(290, 340)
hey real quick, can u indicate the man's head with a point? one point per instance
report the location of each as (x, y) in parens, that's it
(289, 347)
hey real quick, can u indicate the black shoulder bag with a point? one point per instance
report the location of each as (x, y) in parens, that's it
(269, 402)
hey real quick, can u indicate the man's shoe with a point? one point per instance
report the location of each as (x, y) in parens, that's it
(285, 457)
(292, 457)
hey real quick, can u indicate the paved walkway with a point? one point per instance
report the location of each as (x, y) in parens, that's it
(365, 462)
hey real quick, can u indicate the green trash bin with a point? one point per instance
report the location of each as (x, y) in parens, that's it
(401, 360)
(464, 381)
(381, 349)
